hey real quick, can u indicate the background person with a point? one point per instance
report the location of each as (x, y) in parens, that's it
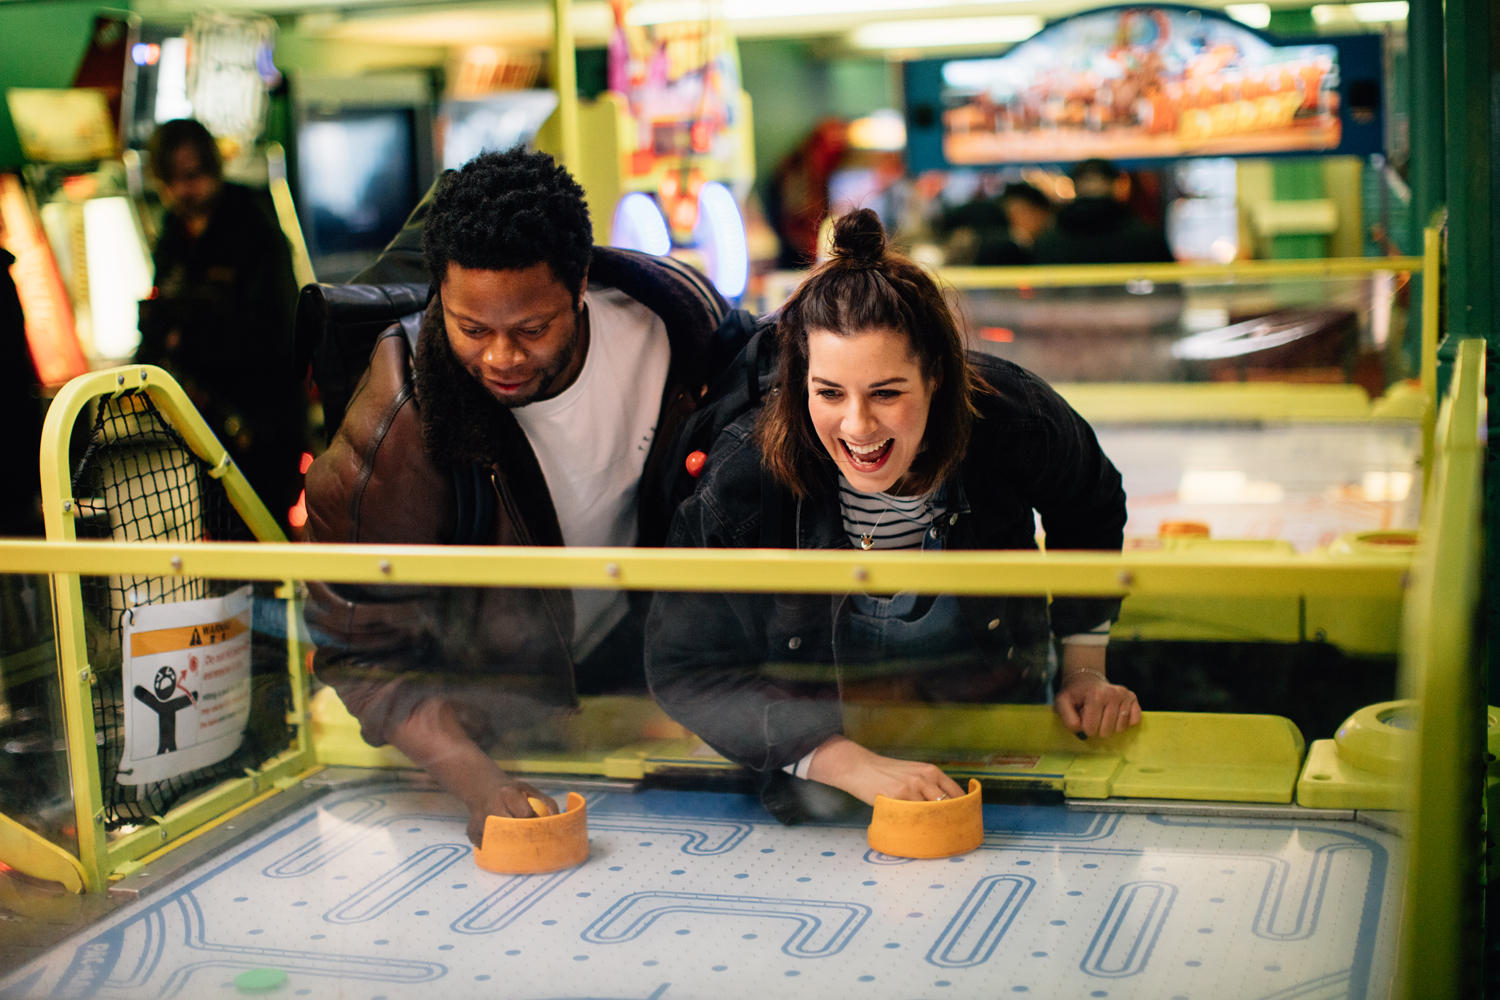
(1028, 212)
(888, 434)
(221, 319)
(1098, 227)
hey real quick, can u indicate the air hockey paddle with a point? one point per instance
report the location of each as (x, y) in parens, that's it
(535, 844)
(928, 829)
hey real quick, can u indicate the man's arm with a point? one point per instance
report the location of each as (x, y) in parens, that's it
(436, 741)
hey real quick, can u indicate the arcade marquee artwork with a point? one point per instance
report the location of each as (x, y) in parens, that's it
(1141, 82)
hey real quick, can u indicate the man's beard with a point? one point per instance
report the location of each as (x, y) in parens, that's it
(549, 373)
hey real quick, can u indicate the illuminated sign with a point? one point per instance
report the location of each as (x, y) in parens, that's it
(1142, 83)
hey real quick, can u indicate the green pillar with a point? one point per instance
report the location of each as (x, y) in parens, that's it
(1473, 175)
(1424, 48)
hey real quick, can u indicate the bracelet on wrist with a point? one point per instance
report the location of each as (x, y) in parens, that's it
(1081, 670)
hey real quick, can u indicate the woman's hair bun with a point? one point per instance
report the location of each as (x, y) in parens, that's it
(859, 238)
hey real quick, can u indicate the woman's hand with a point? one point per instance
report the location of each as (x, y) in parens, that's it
(512, 798)
(844, 764)
(1086, 701)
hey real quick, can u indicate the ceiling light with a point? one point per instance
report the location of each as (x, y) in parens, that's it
(951, 32)
(668, 11)
(1256, 15)
(882, 130)
(1380, 11)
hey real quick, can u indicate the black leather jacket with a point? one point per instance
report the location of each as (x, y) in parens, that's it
(756, 676)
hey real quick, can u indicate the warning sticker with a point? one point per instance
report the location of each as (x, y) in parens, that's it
(187, 685)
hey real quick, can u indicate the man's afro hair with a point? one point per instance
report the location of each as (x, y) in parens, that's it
(510, 211)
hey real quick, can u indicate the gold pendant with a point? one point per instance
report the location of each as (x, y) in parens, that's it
(867, 542)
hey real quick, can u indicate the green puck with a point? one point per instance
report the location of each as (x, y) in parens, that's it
(259, 980)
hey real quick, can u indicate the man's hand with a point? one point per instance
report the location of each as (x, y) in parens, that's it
(434, 739)
(1086, 701)
(513, 798)
(844, 764)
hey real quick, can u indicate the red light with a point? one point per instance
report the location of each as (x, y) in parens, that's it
(297, 515)
(998, 334)
(305, 464)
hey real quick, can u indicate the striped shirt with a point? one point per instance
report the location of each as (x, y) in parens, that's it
(892, 522)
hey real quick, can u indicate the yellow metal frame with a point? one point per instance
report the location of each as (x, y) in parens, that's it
(1233, 573)
(1079, 275)
(1439, 669)
(98, 857)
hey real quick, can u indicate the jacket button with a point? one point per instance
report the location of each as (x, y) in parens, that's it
(794, 642)
(994, 624)
(933, 532)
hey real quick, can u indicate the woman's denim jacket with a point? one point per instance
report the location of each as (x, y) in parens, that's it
(755, 674)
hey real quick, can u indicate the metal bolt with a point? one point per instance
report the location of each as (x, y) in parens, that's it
(144, 373)
(933, 532)
(83, 674)
(119, 380)
(385, 566)
(177, 563)
(952, 518)
(1126, 578)
(861, 574)
(612, 569)
(67, 506)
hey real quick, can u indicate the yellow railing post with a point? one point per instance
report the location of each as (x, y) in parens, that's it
(1432, 255)
(1438, 947)
(565, 82)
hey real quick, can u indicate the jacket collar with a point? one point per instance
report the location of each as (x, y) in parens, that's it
(463, 425)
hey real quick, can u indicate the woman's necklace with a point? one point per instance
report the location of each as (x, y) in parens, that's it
(867, 539)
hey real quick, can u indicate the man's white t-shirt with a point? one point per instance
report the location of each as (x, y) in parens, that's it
(591, 442)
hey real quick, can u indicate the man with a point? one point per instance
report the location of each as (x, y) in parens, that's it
(1097, 228)
(547, 380)
(221, 319)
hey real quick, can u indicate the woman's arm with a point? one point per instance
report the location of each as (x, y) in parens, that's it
(864, 774)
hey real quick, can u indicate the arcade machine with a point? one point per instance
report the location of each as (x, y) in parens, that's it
(1192, 856)
(670, 160)
(1195, 855)
(364, 157)
(75, 199)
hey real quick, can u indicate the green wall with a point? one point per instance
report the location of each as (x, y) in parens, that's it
(41, 45)
(793, 88)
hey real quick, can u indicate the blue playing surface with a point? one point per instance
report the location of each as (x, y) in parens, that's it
(372, 892)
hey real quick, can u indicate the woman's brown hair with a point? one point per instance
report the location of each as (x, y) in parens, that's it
(866, 285)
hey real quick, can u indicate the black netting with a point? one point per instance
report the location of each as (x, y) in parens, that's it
(139, 481)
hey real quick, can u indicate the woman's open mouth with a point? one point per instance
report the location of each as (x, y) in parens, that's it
(868, 457)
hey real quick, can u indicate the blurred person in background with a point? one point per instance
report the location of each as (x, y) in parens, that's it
(221, 318)
(1098, 227)
(20, 414)
(1028, 212)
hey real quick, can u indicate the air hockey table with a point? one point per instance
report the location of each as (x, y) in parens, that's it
(360, 884)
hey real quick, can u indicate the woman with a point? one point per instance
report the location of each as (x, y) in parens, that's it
(887, 434)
